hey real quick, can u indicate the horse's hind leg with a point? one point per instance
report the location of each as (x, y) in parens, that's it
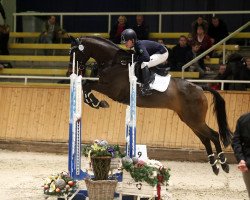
(211, 157)
(205, 133)
(221, 157)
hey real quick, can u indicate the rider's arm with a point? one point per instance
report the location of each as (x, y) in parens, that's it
(142, 53)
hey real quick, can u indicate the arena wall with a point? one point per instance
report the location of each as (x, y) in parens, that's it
(41, 114)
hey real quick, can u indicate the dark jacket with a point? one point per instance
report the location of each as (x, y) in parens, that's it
(142, 31)
(179, 56)
(146, 48)
(218, 33)
(241, 139)
(190, 55)
(112, 35)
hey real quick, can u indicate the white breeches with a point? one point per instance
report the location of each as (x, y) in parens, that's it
(155, 60)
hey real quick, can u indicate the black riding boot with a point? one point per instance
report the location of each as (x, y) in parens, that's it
(145, 90)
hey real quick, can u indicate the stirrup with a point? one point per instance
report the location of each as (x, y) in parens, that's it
(146, 91)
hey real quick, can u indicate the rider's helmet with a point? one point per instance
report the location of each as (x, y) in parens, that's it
(128, 34)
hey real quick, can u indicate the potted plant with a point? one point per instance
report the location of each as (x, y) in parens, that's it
(100, 154)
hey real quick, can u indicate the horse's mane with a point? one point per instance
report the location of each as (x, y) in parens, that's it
(102, 40)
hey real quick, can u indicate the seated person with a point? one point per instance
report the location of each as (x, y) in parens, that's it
(219, 76)
(200, 21)
(140, 28)
(217, 30)
(4, 39)
(51, 31)
(204, 40)
(198, 66)
(116, 30)
(178, 54)
(4, 32)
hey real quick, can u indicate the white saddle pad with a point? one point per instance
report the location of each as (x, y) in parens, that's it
(160, 83)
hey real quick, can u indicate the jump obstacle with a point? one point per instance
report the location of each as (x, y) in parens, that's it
(130, 130)
(75, 126)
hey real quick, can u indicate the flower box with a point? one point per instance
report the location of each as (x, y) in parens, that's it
(142, 189)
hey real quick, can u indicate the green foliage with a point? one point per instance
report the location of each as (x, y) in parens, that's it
(101, 149)
(146, 173)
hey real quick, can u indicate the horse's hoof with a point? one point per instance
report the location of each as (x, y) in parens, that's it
(225, 167)
(216, 170)
(104, 104)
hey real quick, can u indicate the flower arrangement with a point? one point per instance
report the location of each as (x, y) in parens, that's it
(101, 148)
(59, 184)
(150, 171)
(100, 154)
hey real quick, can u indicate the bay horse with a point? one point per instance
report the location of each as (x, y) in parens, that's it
(185, 98)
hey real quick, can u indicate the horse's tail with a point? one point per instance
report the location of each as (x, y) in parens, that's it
(220, 110)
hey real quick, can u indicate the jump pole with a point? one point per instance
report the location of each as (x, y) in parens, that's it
(75, 126)
(130, 134)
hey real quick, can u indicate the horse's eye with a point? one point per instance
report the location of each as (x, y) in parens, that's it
(81, 47)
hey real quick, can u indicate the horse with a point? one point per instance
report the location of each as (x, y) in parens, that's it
(185, 98)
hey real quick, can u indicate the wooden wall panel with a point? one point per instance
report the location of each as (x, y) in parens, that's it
(42, 114)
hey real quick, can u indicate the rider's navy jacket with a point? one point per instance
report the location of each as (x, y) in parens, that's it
(146, 48)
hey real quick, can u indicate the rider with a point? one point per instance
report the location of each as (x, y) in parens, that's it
(149, 54)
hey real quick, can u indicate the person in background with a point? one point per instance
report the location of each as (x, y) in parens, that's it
(198, 66)
(179, 54)
(219, 76)
(241, 147)
(117, 29)
(200, 21)
(217, 30)
(204, 40)
(140, 28)
(4, 32)
(51, 31)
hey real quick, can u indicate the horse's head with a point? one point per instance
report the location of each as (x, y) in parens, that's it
(104, 52)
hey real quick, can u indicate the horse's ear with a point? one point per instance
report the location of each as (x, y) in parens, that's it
(72, 39)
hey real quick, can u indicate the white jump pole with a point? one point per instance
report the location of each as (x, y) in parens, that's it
(75, 126)
(131, 113)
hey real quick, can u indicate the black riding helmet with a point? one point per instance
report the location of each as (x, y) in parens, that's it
(128, 34)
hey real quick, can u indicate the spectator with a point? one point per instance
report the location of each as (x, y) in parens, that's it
(198, 66)
(200, 21)
(140, 28)
(117, 29)
(4, 32)
(179, 53)
(217, 30)
(219, 76)
(241, 147)
(51, 31)
(203, 39)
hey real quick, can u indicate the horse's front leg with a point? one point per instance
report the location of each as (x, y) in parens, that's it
(89, 97)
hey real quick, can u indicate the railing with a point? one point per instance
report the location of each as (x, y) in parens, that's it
(26, 78)
(110, 14)
(214, 47)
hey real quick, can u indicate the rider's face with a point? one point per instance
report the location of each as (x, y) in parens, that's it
(129, 44)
